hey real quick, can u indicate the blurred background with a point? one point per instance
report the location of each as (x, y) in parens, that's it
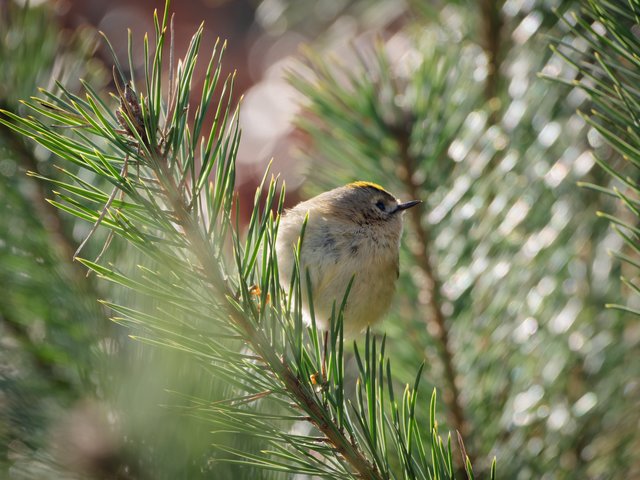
(530, 365)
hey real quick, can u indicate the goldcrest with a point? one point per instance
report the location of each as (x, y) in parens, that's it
(352, 232)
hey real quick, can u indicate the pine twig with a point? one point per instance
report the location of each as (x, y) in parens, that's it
(48, 215)
(260, 344)
(491, 27)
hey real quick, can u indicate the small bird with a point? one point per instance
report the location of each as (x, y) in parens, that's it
(352, 232)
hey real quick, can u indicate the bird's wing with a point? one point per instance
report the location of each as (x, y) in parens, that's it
(326, 279)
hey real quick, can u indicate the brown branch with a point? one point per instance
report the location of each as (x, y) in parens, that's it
(41, 361)
(323, 421)
(491, 31)
(436, 322)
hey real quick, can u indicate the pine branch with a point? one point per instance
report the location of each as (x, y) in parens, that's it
(48, 215)
(317, 415)
(434, 316)
(608, 75)
(492, 25)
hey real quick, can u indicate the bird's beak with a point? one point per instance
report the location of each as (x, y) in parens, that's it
(404, 206)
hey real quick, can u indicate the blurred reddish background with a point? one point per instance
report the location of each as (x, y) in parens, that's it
(254, 52)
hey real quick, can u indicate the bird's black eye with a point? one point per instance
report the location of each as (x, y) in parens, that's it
(380, 205)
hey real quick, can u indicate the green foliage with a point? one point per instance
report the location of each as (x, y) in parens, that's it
(504, 274)
(279, 396)
(45, 363)
(609, 70)
(509, 268)
(382, 107)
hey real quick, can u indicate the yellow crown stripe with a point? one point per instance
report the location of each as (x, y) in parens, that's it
(363, 184)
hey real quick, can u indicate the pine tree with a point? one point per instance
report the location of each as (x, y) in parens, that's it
(203, 289)
(505, 268)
